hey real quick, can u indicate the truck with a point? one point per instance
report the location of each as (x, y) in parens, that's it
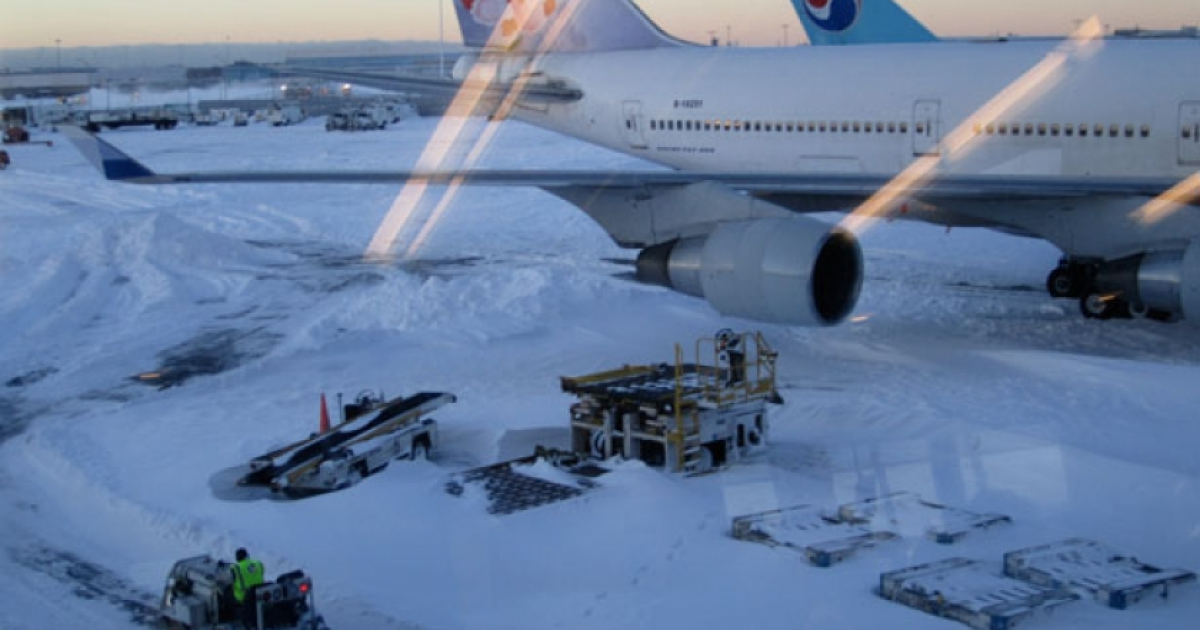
(198, 595)
(115, 119)
(374, 431)
(284, 115)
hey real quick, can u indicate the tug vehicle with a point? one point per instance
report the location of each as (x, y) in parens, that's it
(199, 596)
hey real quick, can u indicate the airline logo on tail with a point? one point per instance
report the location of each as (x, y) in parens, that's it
(833, 15)
(527, 26)
(527, 15)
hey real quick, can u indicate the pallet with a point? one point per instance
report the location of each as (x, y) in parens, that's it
(829, 537)
(509, 491)
(803, 528)
(941, 523)
(970, 592)
(1113, 578)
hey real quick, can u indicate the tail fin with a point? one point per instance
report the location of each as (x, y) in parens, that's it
(835, 22)
(558, 25)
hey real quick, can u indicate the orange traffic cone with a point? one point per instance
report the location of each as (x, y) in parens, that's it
(324, 415)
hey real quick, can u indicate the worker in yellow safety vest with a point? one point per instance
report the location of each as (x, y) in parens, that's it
(247, 573)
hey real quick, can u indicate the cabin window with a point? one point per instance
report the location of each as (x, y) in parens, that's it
(977, 128)
(920, 128)
(1054, 129)
(1041, 129)
(1114, 131)
(1128, 131)
(812, 126)
(845, 127)
(903, 127)
(1145, 131)
(1068, 130)
(1187, 133)
(1002, 129)
(891, 127)
(879, 127)
(857, 127)
(1083, 131)
(822, 127)
(1098, 130)
(653, 125)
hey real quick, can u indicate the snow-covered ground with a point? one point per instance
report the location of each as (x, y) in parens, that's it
(960, 380)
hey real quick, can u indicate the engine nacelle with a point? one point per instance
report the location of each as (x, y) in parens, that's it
(786, 270)
(1167, 281)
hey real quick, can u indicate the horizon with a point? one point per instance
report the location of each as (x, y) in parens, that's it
(73, 25)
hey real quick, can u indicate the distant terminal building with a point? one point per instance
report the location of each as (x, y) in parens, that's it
(426, 64)
(1186, 31)
(45, 83)
(423, 64)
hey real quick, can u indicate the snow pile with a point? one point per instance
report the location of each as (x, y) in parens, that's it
(964, 384)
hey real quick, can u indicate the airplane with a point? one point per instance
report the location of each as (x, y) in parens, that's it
(1092, 144)
(840, 22)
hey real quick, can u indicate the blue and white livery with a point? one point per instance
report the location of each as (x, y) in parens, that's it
(838, 22)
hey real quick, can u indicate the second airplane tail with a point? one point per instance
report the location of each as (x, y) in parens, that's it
(834, 22)
(558, 26)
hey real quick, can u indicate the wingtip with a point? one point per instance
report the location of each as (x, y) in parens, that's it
(109, 160)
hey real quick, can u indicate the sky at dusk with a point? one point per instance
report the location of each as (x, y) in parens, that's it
(30, 24)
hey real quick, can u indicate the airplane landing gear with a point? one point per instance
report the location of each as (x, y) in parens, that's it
(1070, 279)
(1097, 306)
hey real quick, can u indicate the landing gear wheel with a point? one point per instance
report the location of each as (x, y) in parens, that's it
(1063, 282)
(1096, 306)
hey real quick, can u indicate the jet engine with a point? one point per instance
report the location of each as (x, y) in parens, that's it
(1164, 283)
(782, 270)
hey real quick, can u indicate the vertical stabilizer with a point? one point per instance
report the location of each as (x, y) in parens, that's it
(837, 22)
(558, 25)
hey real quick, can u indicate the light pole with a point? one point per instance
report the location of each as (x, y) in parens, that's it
(728, 37)
(785, 40)
(224, 71)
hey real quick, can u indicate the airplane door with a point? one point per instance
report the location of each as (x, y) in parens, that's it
(631, 124)
(927, 127)
(1189, 133)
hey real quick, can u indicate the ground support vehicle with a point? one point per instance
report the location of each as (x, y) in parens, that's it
(199, 596)
(117, 119)
(374, 432)
(686, 417)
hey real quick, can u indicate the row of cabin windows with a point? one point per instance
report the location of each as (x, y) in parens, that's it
(1003, 129)
(1055, 129)
(786, 127)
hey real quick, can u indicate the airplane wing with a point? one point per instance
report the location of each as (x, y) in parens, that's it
(118, 166)
(530, 92)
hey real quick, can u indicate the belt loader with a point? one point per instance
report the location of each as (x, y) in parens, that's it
(374, 432)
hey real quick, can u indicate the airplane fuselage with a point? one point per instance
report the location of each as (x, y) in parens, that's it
(1117, 108)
